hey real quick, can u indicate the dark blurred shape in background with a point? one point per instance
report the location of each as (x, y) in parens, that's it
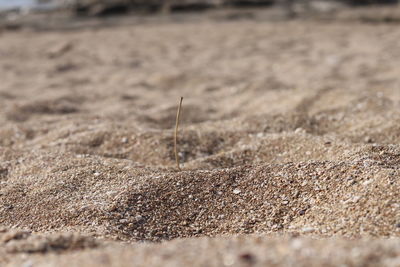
(104, 7)
(101, 7)
(45, 14)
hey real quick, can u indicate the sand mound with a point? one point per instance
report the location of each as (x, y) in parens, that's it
(115, 198)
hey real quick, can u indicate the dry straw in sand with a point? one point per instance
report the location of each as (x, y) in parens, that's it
(178, 115)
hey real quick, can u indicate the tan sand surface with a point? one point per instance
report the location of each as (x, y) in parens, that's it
(289, 144)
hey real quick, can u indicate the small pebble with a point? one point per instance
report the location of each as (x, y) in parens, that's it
(237, 191)
(368, 139)
(247, 257)
(367, 182)
(299, 130)
(308, 230)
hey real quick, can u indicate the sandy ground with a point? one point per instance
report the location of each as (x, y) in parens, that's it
(289, 145)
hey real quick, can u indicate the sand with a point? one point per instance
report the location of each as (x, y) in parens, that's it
(289, 144)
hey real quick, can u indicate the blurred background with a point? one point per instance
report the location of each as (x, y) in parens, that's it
(103, 7)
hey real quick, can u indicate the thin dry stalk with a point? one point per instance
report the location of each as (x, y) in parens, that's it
(178, 116)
